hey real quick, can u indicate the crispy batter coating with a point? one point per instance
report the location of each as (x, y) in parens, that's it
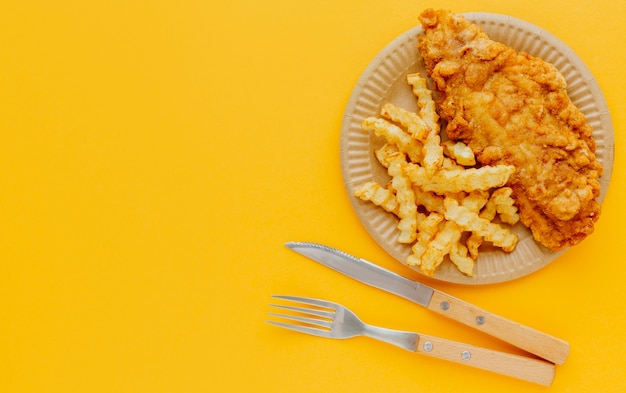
(512, 108)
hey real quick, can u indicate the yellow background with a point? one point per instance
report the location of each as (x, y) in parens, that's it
(155, 156)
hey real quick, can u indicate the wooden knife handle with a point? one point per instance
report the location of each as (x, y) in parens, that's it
(521, 367)
(524, 337)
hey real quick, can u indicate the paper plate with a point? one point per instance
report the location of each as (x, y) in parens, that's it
(384, 80)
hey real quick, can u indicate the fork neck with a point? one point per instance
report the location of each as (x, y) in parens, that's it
(402, 339)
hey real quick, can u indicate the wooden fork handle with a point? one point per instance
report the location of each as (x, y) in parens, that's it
(524, 337)
(521, 367)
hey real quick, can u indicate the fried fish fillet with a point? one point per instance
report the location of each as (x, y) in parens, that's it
(513, 108)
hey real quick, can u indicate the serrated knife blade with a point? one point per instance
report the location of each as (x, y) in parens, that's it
(364, 271)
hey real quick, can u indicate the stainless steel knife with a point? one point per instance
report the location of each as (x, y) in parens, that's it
(524, 337)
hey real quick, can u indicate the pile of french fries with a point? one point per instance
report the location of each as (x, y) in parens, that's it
(446, 206)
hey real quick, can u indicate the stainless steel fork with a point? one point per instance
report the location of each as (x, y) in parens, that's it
(327, 319)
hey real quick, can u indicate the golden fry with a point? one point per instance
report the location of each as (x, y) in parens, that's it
(459, 152)
(414, 124)
(396, 135)
(470, 221)
(431, 201)
(386, 154)
(451, 165)
(433, 154)
(379, 196)
(473, 243)
(439, 247)
(425, 102)
(427, 229)
(407, 210)
(505, 205)
(459, 256)
(433, 151)
(467, 180)
(475, 200)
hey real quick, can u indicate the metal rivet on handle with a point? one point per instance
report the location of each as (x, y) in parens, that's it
(428, 346)
(445, 306)
(466, 355)
(480, 320)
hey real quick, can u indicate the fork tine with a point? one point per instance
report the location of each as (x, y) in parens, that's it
(312, 317)
(310, 301)
(310, 311)
(301, 329)
(310, 321)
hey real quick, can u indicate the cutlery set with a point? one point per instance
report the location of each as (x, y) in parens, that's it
(331, 320)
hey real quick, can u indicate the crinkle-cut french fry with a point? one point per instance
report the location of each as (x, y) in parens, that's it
(431, 201)
(425, 102)
(386, 154)
(489, 211)
(449, 165)
(378, 195)
(473, 243)
(426, 231)
(505, 205)
(407, 208)
(414, 124)
(500, 202)
(421, 217)
(470, 221)
(475, 200)
(467, 180)
(459, 152)
(433, 151)
(439, 247)
(396, 135)
(459, 256)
